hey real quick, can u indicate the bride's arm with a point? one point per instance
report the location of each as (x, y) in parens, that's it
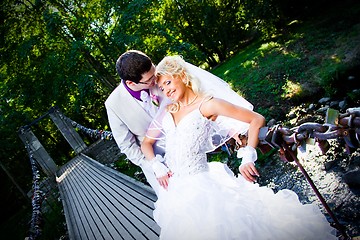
(221, 107)
(147, 148)
(256, 121)
(161, 171)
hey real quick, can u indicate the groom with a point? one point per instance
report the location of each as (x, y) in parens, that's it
(133, 104)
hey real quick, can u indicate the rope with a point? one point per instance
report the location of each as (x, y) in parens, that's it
(36, 202)
(96, 134)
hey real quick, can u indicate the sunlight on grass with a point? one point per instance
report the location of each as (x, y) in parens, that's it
(249, 64)
(293, 22)
(291, 89)
(303, 61)
(335, 58)
(268, 46)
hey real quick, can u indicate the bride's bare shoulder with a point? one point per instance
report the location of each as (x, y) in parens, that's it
(208, 106)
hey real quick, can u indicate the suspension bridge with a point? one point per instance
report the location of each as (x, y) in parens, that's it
(99, 202)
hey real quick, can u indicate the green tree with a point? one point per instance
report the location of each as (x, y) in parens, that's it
(215, 28)
(63, 53)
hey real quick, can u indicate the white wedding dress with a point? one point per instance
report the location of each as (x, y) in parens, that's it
(205, 201)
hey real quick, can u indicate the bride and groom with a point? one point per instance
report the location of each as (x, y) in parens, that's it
(201, 200)
(130, 116)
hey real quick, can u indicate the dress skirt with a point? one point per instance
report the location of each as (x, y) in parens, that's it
(214, 204)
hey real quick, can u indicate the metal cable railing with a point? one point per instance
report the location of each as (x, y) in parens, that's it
(36, 201)
(93, 133)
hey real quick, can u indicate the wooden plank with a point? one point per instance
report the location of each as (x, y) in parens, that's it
(69, 213)
(117, 200)
(72, 216)
(101, 203)
(116, 221)
(77, 206)
(137, 186)
(105, 225)
(40, 154)
(84, 203)
(134, 219)
(147, 204)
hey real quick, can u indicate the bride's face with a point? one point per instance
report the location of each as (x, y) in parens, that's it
(173, 87)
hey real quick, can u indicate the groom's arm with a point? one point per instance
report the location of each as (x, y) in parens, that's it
(124, 138)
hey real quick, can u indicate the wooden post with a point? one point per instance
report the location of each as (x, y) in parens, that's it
(39, 153)
(69, 133)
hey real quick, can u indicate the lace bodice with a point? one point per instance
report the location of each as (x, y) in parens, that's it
(187, 143)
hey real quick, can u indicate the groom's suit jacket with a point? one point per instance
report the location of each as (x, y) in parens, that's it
(128, 121)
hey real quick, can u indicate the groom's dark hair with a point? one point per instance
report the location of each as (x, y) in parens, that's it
(132, 64)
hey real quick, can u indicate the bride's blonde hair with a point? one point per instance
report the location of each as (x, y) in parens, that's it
(175, 66)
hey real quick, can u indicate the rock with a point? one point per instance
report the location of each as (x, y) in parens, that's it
(322, 110)
(292, 115)
(342, 105)
(352, 178)
(271, 123)
(324, 100)
(334, 104)
(335, 174)
(311, 107)
(328, 165)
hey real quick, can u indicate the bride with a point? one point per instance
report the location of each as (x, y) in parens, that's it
(202, 200)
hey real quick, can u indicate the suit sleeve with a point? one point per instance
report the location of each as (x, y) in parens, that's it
(124, 138)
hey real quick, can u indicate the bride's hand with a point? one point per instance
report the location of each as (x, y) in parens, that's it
(249, 171)
(164, 181)
(247, 167)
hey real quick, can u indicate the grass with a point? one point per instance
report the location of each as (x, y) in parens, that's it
(306, 61)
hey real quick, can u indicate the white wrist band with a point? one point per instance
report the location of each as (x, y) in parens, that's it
(158, 167)
(248, 154)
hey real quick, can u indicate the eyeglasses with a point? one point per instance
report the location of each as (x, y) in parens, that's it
(149, 81)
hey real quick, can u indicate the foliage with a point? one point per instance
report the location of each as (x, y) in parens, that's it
(52, 224)
(62, 53)
(308, 60)
(53, 219)
(215, 28)
(125, 166)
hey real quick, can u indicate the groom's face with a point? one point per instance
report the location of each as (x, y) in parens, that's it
(148, 79)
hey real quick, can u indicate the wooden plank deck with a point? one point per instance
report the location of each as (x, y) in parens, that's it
(101, 203)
